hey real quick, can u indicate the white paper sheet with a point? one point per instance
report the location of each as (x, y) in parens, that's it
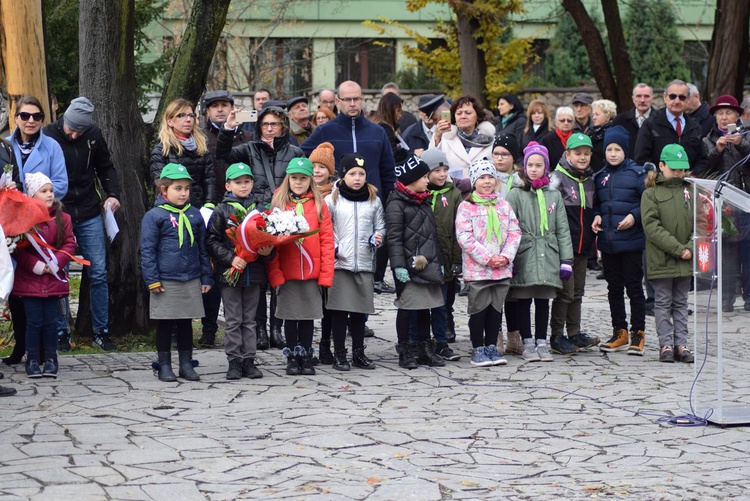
(110, 224)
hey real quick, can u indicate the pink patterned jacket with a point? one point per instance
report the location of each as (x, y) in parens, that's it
(476, 251)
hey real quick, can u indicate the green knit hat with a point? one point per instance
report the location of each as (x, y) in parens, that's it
(675, 157)
(300, 165)
(175, 171)
(578, 139)
(237, 170)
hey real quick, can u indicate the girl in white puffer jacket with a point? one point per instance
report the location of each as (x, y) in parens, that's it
(359, 229)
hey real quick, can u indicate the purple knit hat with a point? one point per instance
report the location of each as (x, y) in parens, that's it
(535, 148)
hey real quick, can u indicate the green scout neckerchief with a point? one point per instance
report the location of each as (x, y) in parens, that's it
(435, 194)
(580, 182)
(493, 222)
(182, 223)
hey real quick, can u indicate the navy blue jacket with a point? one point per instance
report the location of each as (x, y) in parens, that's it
(618, 193)
(162, 258)
(359, 135)
(415, 137)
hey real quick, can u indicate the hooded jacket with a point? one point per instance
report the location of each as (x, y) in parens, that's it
(221, 248)
(359, 135)
(579, 196)
(313, 259)
(539, 256)
(618, 194)
(354, 223)
(87, 160)
(667, 212)
(162, 258)
(26, 282)
(268, 164)
(412, 232)
(471, 232)
(220, 167)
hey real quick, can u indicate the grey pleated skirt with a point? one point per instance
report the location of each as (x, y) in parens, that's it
(299, 300)
(533, 291)
(178, 301)
(419, 297)
(352, 292)
(483, 293)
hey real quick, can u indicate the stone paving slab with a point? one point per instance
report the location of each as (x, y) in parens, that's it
(582, 427)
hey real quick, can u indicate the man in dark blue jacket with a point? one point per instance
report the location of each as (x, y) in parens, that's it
(352, 132)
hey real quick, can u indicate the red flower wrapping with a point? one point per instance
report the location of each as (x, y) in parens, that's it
(19, 212)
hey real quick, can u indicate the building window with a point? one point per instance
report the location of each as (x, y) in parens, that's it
(283, 65)
(370, 63)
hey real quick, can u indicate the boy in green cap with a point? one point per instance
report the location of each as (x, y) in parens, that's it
(667, 215)
(240, 298)
(572, 178)
(175, 268)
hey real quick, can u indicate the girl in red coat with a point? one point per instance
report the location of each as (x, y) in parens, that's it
(299, 269)
(40, 279)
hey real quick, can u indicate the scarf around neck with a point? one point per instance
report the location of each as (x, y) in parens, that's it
(439, 192)
(580, 179)
(563, 137)
(181, 223)
(538, 185)
(417, 197)
(474, 140)
(360, 195)
(188, 143)
(299, 202)
(493, 221)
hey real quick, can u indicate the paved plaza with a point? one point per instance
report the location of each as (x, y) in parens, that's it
(583, 427)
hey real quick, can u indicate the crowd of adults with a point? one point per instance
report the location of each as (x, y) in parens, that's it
(72, 152)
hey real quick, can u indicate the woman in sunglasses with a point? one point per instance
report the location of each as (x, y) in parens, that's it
(182, 141)
(557, 140)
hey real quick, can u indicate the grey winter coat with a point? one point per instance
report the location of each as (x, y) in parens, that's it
(354, 223)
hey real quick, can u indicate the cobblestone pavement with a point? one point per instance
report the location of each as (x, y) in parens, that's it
(586, 426)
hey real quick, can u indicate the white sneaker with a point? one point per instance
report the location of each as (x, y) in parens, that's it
(529, 351)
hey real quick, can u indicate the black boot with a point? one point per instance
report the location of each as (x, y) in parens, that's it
(206, 340)
(451, 330)
(324, 352)
(407, 355)
(165, 367)
(277, 337)
(249, 370)
(234, 372)
(292, 363)
(427, 355)
(340, 363)
(262, 336)
(360, 360)
(186, 366)
(306, 363)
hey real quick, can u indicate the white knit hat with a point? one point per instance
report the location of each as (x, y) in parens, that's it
(480, 167)
(34, 181)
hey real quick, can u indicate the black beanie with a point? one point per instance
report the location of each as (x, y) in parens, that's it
(617, 134)
(351, 160)
(413, 169)
(509, 142)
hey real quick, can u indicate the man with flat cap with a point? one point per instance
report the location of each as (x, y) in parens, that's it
(92, 187)
(582, 111)
(418, 136)
(299, 118)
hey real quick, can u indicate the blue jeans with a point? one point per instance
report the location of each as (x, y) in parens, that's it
(42, 319)
(91, 240)
(438, 320)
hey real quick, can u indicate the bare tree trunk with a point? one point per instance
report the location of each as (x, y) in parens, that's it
(107, 77)
(600, 68)
(620, 56)
(473, 66)
(728, 55)
(22, 42)
(193, 59)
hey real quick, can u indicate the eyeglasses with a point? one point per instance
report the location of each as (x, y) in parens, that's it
(565, 120)
(38, 117)
(681, 97)
(272, 125)
(351, 100)
(497, 154)
(188, 115)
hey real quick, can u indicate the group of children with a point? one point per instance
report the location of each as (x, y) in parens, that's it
(522, 235)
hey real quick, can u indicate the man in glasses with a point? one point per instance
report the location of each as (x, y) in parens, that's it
(671, 125)
(632, 120)
(352, 132)
(93, 187)
(327, 99)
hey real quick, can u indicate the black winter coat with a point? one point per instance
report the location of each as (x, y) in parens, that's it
(514, 127)
(87, 159)
(412, 231)
(200, 168)
(268, 164)
(657, 132)
(542, 132)
(7, 158)
(220, 166)
(221, 248)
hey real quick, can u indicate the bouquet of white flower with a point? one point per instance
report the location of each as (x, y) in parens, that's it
(285, 222)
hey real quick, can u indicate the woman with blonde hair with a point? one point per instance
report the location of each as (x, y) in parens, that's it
(537, 123)
(603, 112)
(181, 141)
